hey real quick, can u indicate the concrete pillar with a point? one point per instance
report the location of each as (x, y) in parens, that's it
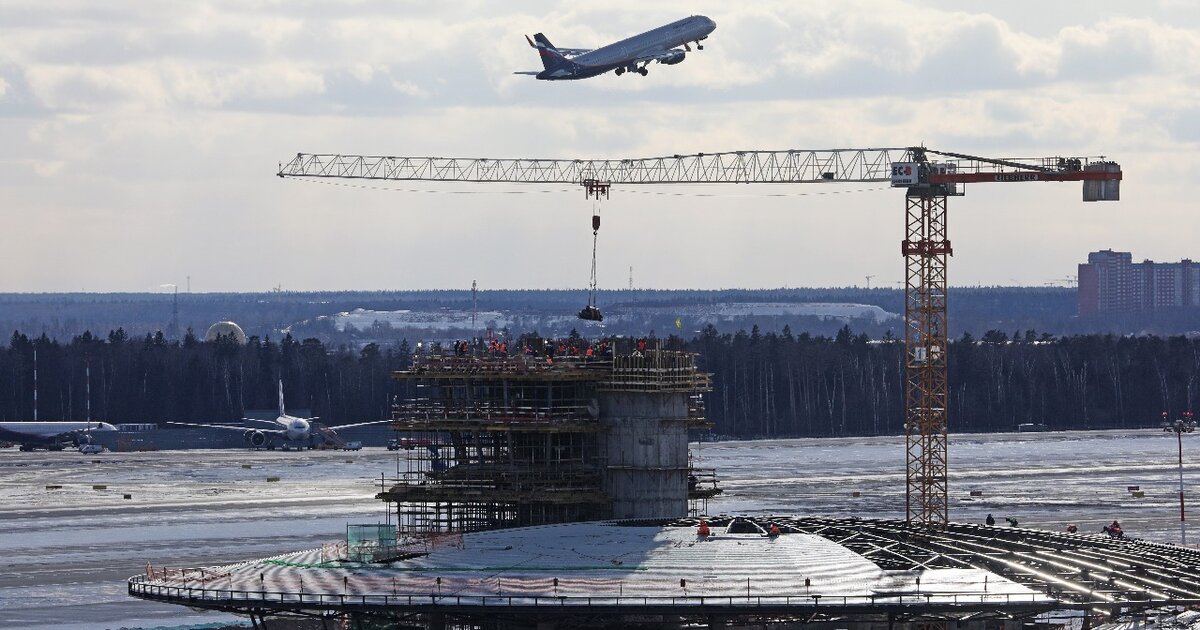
(646, 448)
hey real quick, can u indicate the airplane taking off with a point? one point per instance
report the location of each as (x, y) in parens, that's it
(53, 436)
(628, 55)
(285, 428)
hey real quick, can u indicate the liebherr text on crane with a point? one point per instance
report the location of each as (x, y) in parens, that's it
(926, 246)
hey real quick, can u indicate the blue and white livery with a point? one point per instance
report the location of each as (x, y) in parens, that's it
(662, 45)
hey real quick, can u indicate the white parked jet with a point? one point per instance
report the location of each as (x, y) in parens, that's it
(628, 55)
(283, 429)
(50, 435)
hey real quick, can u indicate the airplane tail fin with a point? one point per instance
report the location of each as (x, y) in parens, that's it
(551, 58)
(281, 413)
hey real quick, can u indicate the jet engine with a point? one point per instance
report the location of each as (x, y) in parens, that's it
(257, 439)
(672, 58)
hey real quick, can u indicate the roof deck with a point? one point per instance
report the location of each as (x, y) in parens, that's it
(816, 568)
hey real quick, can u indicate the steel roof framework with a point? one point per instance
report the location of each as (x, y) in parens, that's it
(1090, 573)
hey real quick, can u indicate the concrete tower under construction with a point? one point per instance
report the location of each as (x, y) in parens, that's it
(494, 441)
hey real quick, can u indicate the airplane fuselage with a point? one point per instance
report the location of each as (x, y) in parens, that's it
(625, 53)
(285, 427)
(39, 433)
(264, 433)
(295, 429)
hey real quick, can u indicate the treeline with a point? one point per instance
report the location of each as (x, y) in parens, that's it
(64, 315)
(151, 379)
(764, 384)
(798, 385)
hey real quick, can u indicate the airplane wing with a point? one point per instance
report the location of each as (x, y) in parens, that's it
(356, 424)
(229, 427)
(668, 57)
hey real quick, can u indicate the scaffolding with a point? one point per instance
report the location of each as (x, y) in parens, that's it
(492, 441)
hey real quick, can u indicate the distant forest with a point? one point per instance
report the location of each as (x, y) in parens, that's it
(973, 310)
(764, 384)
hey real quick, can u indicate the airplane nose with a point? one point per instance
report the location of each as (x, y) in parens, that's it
(711, 24)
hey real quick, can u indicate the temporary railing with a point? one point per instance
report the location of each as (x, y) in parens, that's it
(504, 367)
(139, 586)
(657, 371)
(420, 411)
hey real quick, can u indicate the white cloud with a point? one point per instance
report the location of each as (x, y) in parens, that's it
(170, 121)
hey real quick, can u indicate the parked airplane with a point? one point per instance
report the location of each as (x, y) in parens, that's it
(285, 429)
(627, 55)
(53, 436)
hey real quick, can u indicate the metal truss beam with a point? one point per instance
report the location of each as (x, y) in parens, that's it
(764, 167)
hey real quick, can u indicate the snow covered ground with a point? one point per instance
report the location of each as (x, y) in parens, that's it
(616, 316)
(68, 551)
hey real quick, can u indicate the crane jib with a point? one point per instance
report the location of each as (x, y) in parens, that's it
(903, 167)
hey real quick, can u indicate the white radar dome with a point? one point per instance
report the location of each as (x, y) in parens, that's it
(226, 329)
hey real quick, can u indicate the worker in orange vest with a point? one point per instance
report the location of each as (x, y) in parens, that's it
(702, 531)
(774, 530)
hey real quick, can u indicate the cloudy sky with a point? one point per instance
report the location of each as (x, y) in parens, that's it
(140, 140)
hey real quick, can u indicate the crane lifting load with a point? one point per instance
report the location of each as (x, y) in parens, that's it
(925, 248)
(591, 312)
(594, 189)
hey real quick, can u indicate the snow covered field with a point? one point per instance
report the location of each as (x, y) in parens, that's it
(68, 551)
(617, 317)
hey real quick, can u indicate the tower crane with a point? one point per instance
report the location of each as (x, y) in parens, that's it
(927, 176)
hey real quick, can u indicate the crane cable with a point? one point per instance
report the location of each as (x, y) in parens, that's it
(595, 238)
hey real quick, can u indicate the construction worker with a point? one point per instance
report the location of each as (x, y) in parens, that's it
(989, 520)
(1072, 529)
(702, 531)
(774, 530)
(589, 353)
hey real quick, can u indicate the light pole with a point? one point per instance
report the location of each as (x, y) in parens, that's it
(1181, 426)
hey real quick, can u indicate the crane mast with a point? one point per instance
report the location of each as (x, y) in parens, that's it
(929, 177)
